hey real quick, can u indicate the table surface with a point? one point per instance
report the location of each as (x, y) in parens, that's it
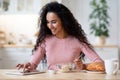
(74, 75)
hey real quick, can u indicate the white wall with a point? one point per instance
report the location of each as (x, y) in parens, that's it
(81, 10)
(119, 21)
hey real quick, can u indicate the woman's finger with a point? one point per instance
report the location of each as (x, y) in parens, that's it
(19, 66)
(26, 67)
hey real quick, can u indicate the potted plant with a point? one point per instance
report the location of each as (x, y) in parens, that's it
(99, 19)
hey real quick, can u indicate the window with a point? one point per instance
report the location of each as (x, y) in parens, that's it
(4, 5)
(26, 5)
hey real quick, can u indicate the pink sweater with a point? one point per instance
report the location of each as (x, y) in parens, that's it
(60, 51)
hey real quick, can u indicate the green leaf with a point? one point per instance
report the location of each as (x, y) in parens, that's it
(99, 18)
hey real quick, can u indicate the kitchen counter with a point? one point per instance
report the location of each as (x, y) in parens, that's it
(17, 46)
(31, 46)
(75, 75)
(106, 46)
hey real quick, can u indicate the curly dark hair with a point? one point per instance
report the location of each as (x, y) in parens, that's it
(70, 24)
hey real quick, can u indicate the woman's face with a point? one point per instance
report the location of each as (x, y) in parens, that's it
(54, 24)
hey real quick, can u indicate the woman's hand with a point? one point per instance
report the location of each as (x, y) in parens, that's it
(27, 67)
(79, 64)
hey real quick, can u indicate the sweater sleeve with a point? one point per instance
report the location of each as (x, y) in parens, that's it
(91, 54)
(37, 55)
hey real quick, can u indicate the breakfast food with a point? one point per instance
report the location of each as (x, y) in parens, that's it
(95, 66)
(52, 71)
(65, 68)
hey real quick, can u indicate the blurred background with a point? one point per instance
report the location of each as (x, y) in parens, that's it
(18, 27)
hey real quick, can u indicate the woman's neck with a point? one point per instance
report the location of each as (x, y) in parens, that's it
(61, 36)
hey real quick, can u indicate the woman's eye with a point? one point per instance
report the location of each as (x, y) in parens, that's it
(53, 21)
(47, 22)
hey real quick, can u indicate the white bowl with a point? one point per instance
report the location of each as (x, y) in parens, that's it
(52, 71)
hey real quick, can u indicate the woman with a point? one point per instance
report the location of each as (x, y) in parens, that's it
(61, 39)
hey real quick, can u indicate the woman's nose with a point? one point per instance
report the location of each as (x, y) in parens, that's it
(50, 26)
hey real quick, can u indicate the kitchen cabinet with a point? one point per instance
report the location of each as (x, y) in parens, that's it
(0, 59)
(107, 52)
(10, 57)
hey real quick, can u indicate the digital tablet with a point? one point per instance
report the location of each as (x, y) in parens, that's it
(17, 72)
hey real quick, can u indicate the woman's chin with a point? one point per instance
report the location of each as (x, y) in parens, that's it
(53, 33)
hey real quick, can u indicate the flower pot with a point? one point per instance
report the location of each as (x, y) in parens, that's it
(100, 40)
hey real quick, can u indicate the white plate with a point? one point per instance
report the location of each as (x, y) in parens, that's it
(96, 72)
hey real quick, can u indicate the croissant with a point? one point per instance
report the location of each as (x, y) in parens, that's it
(96, 66)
